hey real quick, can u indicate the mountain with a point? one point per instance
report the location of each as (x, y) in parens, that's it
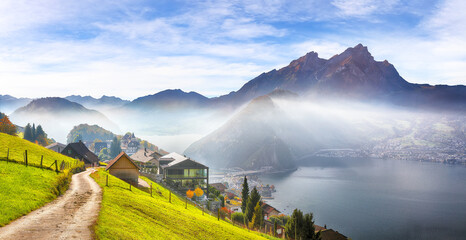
(8, 103)
(353, 74)
(58, 115)
(104, 102)
(249, 140)
(171, 99)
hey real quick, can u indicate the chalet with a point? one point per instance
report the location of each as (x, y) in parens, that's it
(132, 147)
(219, 186)
(57, 147)
(184, 173)
(330, 234)
(98, 146)
(123, 167)
(269, 211)
(79, 151)
(146, 158)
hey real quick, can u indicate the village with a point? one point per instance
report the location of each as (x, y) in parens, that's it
(221, 191)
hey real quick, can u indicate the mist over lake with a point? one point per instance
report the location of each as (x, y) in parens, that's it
(377, 199)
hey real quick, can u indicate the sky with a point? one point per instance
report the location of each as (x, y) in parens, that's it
(132, 48)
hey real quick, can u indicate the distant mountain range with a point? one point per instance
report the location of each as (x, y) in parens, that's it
(8, 103)
(58, 115)
(104, 102)
(170, 99)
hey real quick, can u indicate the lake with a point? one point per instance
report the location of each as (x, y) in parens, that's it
(377, 199)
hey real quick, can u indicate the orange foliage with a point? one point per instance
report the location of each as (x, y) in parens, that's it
(199, 192)
(7, 127)
(189, 193)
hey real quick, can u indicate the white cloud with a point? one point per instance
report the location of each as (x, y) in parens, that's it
(362, 8)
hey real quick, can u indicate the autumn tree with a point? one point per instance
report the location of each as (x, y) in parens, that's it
(7, 127)
(257, 218)
(198, 191)
(244, 195)
(189, 193)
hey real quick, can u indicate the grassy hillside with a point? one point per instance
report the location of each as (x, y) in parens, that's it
(23, 189)
(135, 214)
(18, 145)
(26, 188)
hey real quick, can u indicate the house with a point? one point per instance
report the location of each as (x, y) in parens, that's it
(123, 167)
(57, 147)
(219, 186)
(184, 173)
(79, 151)
(330, 234)
(146, 158)
(98, 146)
(268, 225)
(132, 147)
(269, 211)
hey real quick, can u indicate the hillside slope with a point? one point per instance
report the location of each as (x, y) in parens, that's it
(135, 214)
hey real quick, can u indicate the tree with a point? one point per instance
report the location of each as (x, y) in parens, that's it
(257, 217)
(244, 195)
(115, 148)
(33, 132)
(198, 191)
(294, 226)
(253, 199)
(7, 127)
(309, 230)
(41, 136)
(189, 193)
(237, 217)
(222, 200)
(28, 132)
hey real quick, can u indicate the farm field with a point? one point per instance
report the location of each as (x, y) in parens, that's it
(135, 214)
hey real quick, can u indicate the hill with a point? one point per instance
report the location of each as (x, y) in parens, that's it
(89, 133)
(250, 140)
(28, 187)
(171, 99)
(135, 214)
(58, 116)
(8, 103)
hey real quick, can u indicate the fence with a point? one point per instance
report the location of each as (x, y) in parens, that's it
(57, 166)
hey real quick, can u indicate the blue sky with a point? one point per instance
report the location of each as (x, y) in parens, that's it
(134, 48)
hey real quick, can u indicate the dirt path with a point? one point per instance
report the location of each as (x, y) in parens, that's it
(70, 216)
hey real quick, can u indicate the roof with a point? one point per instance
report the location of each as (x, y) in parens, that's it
(330, 234)
(268, 209)
(219, 186)
(173, 156)
(84, 152)
(143, 155)
(56, 144)
(111, 163)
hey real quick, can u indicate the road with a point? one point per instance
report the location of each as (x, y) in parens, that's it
(70, 216)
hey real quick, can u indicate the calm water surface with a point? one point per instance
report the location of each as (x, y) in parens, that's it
(378, 199)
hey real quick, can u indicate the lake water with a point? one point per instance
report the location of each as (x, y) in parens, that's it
(377, 199)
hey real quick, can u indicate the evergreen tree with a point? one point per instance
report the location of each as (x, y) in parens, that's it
(41, 137)
(254, 198)
(222, 200)
(7, 127)
(244, 195)
(309, 230)
(115, 147)
(294, 226)
(33, 130)
(28, 132)
(257, 217)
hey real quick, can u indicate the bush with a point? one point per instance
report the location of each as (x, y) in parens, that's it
(238, 217)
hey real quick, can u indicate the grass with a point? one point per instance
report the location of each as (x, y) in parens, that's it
(26, 188)
(135, 214)
(23, 189)
(18, 145)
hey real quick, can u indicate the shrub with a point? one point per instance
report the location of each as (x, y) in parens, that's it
(237, 217)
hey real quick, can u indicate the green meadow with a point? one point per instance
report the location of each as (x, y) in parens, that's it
(26, 188)
(135, 214)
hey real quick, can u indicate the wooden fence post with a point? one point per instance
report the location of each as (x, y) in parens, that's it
(8, 155)
(202, 210)
(170, 196)
(151, 189)
(56, 166)
(107, 181)
(26, 157)
(218, 214)
(130, 186)
(41, 160)
(186, 207)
